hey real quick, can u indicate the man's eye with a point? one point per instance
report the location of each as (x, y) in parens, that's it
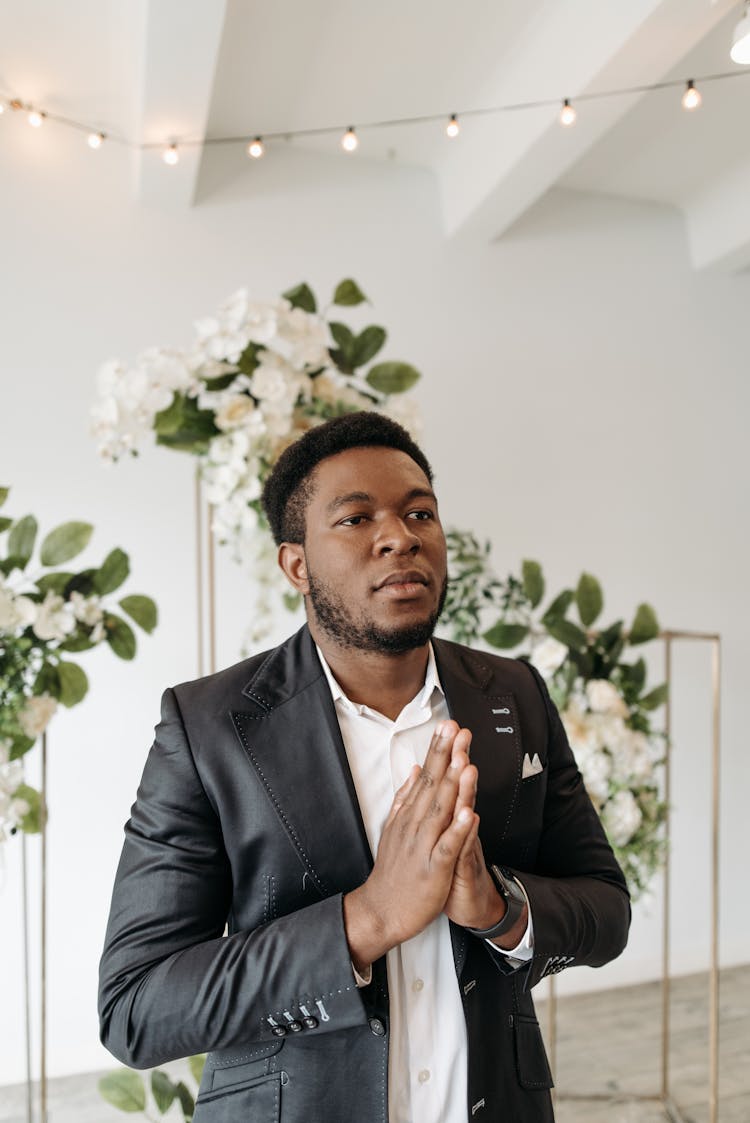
(353, 520)
(421, 515)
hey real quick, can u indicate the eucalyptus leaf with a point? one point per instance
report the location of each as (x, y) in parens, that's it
(65, 542)
(348, 293)
(74, 684)
(141, 609)
(5, 523)
(54, 582)
(559, 606)
(367, 344)
(568, 633)
(301, 296)
(163, 1090)
(4, 492)
(645, 625)
(124, 1089)
(611, 636)
(506, 635)
(635, 674)
(343, 335)
(589, 599)
(31, 821)
(47, 681)
(393, 377)
(533, 581)
(112, 573)
(82, 583)
(187, 1103)
(655, 698)
(76, 642)
(196, 1065)
(120, 636)
(22, 538)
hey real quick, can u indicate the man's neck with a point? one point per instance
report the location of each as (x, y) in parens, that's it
(380, 680)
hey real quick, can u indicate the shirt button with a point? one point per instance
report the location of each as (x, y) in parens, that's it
(377, 1027)
(424, 1076)
(417, 985)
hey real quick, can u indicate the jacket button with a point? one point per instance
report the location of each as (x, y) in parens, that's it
(310, 1022)
(377, 1027)
(294, 1027)
(278, 1031)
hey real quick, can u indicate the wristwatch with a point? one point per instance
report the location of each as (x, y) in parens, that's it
(514, 898)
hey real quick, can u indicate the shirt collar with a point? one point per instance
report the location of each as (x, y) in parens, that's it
(431, 683)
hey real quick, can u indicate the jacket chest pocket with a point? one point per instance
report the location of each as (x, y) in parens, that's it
(257, 1099)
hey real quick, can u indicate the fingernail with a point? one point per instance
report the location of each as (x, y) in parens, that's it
(439, 729)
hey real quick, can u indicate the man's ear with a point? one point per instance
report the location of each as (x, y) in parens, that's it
(294, 564)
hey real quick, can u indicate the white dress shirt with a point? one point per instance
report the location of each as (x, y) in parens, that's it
(428, 1050)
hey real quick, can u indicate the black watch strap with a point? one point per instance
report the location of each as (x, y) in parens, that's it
(514, 898)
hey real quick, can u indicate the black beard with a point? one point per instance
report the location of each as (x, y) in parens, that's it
(363, 635)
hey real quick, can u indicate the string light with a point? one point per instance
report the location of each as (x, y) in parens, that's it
(691, 99)
(740, 51)
(96, 140)
(567, 114)
(171, 155)
(256, 148)
(35, 118)
(453, 128)
(349, 140)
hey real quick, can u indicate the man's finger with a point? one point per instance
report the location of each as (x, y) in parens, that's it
(435, 764)
(450, 843)
(403, 792)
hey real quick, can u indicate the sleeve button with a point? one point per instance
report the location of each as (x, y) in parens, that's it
(310, 1022)
(377, 1027)
(294, 1027)
(279, 1031)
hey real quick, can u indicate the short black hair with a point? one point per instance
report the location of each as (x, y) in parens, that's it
(288, 489)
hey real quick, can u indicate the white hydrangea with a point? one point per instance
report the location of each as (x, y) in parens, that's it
(87, 610)
(16, 612)
(604, 698)
(547, 655)
(238, 322)
(308, 335)
(622, 817)
(55, 619)
(596, 769)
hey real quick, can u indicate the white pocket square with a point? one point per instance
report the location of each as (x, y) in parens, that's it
(531, 767)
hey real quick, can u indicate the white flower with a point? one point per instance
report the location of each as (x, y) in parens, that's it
(271, 382)
(621, 818)
(308, 334)
(596, 768)
(36, 714)
(632, 760)
(548, 655)
(604, 698)
(15, 612)
(235, 411)
(87, 610)
(581, 730)
(402, 409)
(5, 746)
(54, 620)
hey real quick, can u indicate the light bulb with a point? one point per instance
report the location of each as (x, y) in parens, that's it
(171, 155)
(567, 114)
(95, 140)
(256, 148)
(349, 140)
(691, 99)
(35, 118)
(740, 51)
(453, 128)
(2, 108)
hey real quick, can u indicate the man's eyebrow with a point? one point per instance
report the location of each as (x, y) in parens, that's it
(365, 497)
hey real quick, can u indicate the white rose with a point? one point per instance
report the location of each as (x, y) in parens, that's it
(548, 655)
(621, 818)
(15, 612)
(54, 621)
(632, 763)
(87, 610)
(37, 714)
(604, 698)
(596, 768)
(581, 730)
(270, 383)
(235, 411)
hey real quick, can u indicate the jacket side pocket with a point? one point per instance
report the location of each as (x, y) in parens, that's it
(258, 1099)
(531, 1058)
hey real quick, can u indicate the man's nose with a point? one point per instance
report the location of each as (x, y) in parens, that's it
(397, 535)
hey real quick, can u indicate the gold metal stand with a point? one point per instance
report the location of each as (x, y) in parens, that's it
(43, 948)
(665, 1096)
(26, 978)
(205, 546)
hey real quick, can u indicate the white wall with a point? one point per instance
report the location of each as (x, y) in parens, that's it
(585, 397)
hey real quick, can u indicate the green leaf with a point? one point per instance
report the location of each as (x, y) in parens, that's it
(82, 583)
(196, 1065)
(187, 1103)
(559, 606)
(141, 609)
(163, 1090)
(655, 698)
(73, 683)
(124, 1089)
(634, 674)
(54, 582)
(22, 538)
(506, 635)
(367, 344)
(5, 523)
(77, 641)
(343, 335)
(533, 581)
(113, 571)
(301, 296)
(4, 491)
(611, 636)
(589, 599)
(31, 822)
(348, 293)
(64, 542)
(645, 626)
(48, 681)
(120, 636)
(247, 362)
(393, 377)
(567, 632)
(183, 425)
(222, 381)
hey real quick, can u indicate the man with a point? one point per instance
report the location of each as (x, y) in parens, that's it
(389, 901)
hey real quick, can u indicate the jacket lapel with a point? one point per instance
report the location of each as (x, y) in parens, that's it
(292, 739)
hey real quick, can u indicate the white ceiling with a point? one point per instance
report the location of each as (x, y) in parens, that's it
(153, 70)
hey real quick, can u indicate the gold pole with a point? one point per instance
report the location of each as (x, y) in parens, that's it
(713, 1106)
(26, 976)
(199, 565)
(665, 1007)
(211, 595)
(43, 1028)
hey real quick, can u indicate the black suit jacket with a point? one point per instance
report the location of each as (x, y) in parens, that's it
(246, 816)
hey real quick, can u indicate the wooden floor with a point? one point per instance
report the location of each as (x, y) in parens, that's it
(608, 1045)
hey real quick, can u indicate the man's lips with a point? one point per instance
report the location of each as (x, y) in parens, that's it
(403, 580)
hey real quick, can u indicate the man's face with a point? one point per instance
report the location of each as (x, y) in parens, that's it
(374, 553)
